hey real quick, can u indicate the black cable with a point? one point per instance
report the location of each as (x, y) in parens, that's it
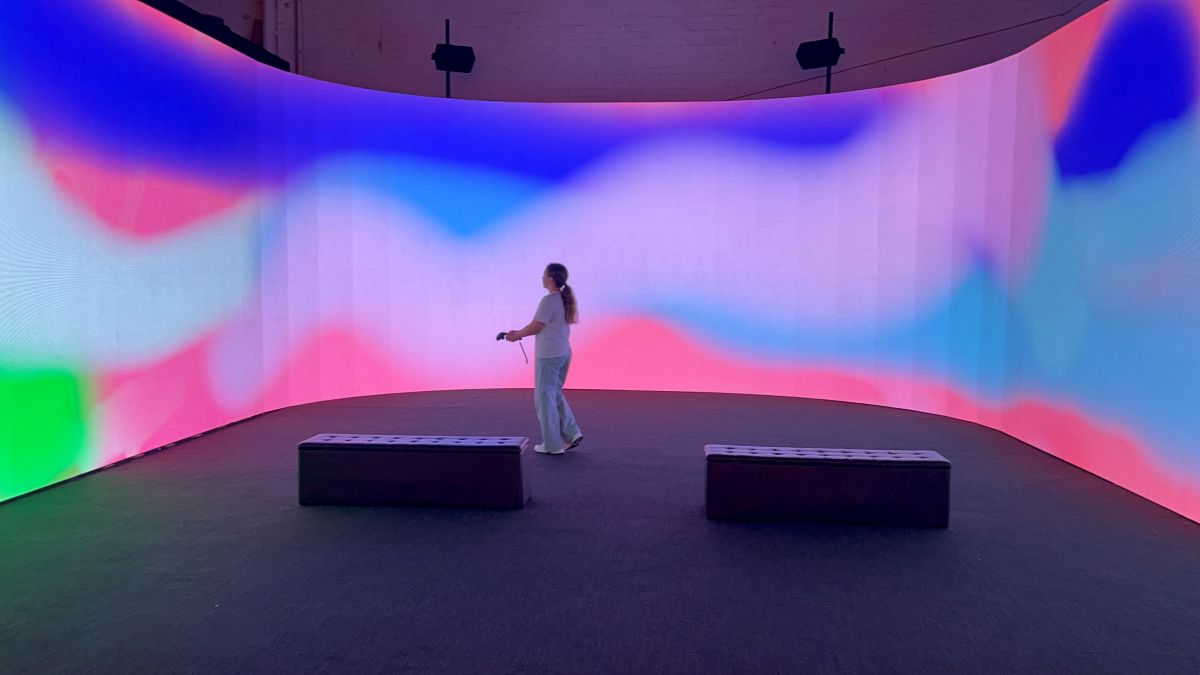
(918, 51)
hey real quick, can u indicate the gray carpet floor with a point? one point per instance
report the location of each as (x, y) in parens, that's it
(198, 559)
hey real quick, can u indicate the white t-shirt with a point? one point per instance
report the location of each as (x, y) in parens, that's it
(554, 340)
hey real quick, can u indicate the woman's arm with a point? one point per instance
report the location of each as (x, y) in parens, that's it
(533, 328)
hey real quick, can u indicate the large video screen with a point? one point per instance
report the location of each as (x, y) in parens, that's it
(188, 238)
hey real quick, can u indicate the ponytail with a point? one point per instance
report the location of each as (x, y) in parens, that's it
(569, 309)
(558, 272)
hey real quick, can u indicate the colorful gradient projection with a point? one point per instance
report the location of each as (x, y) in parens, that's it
(188, 238)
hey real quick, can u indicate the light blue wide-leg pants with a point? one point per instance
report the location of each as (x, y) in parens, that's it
(554, 415)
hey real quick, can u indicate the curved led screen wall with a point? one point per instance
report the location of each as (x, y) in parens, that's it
(188, 238)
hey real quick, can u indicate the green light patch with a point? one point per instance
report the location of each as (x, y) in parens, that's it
(43, 428)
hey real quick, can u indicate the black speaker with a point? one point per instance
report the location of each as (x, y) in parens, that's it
(453, 58)
(819, 53)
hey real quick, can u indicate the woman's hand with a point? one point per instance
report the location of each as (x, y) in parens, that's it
(513, 335)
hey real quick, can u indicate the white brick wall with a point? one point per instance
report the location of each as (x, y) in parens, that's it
(631, 50)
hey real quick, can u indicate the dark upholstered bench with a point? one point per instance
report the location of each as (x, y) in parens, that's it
(378, 470)
(880, 487)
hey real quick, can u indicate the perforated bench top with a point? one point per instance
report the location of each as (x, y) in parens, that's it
(386, 443)
(926, 459)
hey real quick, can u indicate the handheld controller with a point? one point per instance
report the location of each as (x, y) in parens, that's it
(504, 334)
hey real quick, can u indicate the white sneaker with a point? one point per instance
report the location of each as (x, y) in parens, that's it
(575, 441)
(542, 449)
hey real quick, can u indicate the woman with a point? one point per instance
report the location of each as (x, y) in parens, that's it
(551, 325)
